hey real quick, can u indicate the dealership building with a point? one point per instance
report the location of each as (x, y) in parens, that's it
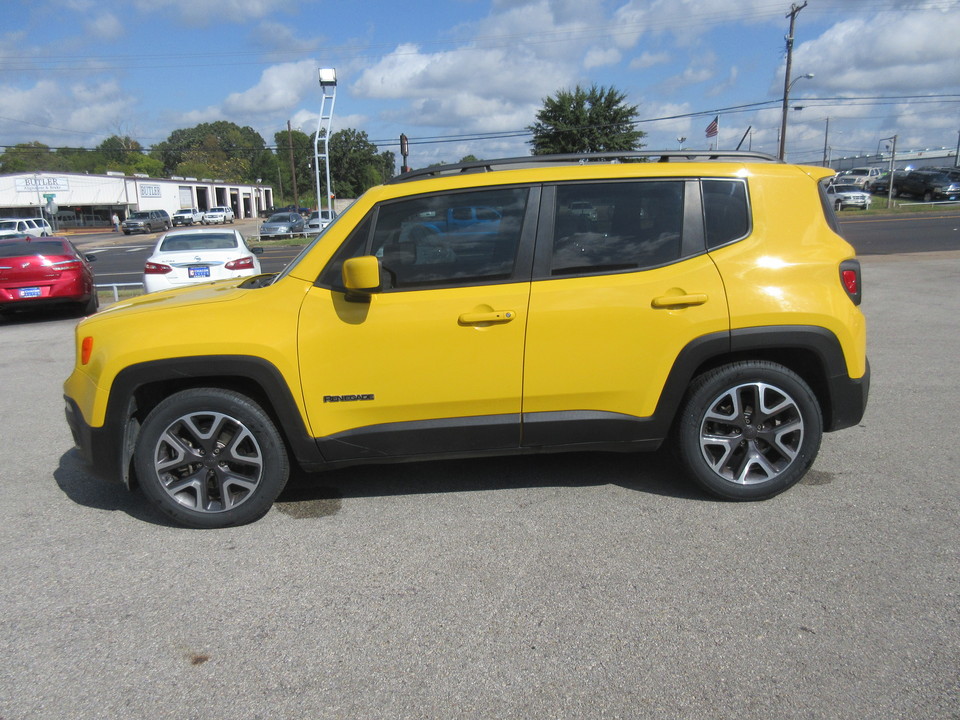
(80, 200)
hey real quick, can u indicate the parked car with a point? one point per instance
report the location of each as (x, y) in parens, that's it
(45, 271)
(290, 208)
(219, 215)
(283, 224)
(931, 184)
(661, 320)
(318, 220)
(24, 226)
(881, 186)
(844, 196)
(42, 226)
(187, 257)
(187, 216)
(859, 176)
(146, 221)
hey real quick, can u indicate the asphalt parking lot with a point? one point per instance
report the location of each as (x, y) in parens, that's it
(586, 586)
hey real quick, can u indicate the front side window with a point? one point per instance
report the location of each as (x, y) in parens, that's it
(450, 239)
(618, 226)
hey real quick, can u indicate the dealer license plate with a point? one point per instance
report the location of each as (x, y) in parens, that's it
(198, 271)
(30, 292)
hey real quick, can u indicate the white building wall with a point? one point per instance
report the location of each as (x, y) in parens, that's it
(22, 192)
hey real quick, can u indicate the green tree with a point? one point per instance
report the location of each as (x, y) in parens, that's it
(302, 163)
(578, 121)
(30, 157)
(119, 150)
(355, 165)
(219, 149)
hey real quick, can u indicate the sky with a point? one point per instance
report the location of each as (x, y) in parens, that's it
(467, 77)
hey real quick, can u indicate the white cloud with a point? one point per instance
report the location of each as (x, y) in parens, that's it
(471, 89)
(204, 11)
(75, 115)
(106, 27)
(599, 57)
(281, 87)
(648, 60)
(906, 51)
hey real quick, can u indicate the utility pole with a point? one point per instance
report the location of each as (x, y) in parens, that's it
(293, 170)
(794, 11)
(826, 140)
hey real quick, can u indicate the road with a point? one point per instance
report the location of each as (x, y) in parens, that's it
(120, 259)
(580, 586)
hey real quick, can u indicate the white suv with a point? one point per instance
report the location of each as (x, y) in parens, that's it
(219, 215)
(25, 226)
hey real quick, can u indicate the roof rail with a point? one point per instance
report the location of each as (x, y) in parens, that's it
(479, 166)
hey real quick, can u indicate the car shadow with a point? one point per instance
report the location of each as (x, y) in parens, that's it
(85, 489)
(655, 473)
(32, 316)
(311, 495)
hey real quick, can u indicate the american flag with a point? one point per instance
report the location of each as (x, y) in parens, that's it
(714, 127)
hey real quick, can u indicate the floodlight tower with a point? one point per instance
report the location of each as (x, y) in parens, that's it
(328, 88)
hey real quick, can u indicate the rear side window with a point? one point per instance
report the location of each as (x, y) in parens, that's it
(602, 227)
(726, 213)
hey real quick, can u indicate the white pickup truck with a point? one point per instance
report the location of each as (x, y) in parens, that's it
(187, 216)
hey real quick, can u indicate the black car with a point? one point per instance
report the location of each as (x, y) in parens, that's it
(934, 184)
(881, 186)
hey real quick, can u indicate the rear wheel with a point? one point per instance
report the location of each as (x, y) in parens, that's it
(211, 458)
(927, 196)
(90, 306)
(749, 430)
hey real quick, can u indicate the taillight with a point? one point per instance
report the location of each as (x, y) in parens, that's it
(244, 263)
(156, 269)
(86, 349)
(850, 279)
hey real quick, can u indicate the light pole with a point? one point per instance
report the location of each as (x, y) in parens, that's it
(328, 87)
(783, 120)
(681, 140)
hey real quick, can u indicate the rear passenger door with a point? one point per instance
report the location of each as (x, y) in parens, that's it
(622, 283)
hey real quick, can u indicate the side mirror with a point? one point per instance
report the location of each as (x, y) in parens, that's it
(361, 277)
(256, 250)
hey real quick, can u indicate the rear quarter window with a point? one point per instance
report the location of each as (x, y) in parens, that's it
(726, 211)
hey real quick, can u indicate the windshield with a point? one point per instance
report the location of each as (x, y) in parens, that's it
(139, 215)
(8, 225)
(280, 218)
(306, 250)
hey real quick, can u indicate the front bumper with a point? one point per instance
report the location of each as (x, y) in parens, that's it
(98, 448)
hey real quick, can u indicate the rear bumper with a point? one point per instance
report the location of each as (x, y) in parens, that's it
(848, 399)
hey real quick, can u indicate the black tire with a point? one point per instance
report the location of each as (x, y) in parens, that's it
(211, 458)
(748, 430)
(90, 306)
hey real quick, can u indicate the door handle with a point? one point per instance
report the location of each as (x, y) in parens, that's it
(665, 301)
(495, 316)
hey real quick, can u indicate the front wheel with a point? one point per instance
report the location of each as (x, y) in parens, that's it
(211, 458)
(748, 430)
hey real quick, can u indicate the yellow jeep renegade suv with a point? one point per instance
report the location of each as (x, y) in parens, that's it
(538, 304)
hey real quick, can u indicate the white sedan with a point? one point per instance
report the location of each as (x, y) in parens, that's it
(187, 257)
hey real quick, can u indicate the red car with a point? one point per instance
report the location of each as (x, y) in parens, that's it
(45, 271)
